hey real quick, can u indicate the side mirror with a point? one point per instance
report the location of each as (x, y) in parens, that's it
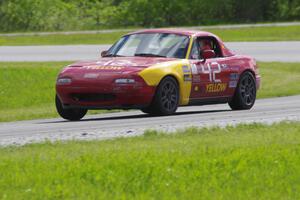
(206, 54)
(103, 53)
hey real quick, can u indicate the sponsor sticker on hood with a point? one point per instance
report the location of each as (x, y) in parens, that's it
(103, 67)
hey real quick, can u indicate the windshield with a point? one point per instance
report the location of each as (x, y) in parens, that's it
(151, 45)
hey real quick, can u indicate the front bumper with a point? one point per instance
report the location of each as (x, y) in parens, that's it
(105, 95)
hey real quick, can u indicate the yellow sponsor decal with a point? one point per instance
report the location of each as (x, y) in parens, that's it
(104, 67)
(216, 87)
(154, 74)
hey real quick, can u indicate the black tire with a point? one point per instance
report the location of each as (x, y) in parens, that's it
(72, 114)
(147, 110)
(245, 93)
(166, 98)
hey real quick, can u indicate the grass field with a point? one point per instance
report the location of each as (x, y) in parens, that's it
(245, 162)
(103, 38)
(279, 79)
(289, 33)
(27, 89)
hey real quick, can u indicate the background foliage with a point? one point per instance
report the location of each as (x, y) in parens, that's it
(48, 15)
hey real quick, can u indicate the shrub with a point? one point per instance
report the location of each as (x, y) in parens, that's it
(42, 15)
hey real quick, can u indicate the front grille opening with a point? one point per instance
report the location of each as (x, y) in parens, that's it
(93, 97)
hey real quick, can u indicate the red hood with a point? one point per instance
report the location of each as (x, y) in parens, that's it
(120, 64)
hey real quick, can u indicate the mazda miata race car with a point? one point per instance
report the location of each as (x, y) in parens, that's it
(156, 71)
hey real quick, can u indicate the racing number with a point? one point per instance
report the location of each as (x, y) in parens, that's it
(212, 86)
(212, 72)
(218, 71)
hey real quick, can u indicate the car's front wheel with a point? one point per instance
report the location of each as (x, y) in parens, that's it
(72, 114)
(166, 98)
(245, 94)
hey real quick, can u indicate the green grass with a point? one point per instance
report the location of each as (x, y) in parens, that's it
(61, 39)
(279, 79)
(246, 162)
(27, 90)
(289, 33)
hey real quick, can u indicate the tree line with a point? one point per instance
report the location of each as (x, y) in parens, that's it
(49, 15)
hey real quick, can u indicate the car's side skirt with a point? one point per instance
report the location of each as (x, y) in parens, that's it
(208, 101)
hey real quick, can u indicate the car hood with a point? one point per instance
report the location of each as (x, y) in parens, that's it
(118, 64)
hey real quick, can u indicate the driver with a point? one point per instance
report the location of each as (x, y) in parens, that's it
(205, 45)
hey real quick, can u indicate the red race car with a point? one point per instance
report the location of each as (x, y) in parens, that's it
(156, 71)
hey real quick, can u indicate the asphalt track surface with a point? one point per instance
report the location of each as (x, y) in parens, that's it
(262, 51)
(134, 123)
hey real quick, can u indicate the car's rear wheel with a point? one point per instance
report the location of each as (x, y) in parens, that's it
(72, 114)
(245, 94)
(166, 98)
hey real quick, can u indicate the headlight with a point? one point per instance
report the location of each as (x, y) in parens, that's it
(124, 81)
(63, 81)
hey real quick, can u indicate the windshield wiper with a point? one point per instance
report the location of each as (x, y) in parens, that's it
(148, 55)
